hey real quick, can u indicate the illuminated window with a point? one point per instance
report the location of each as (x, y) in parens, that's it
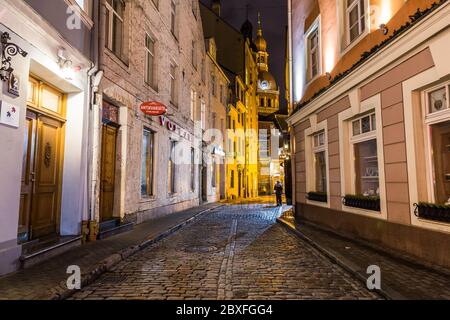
(147, 163)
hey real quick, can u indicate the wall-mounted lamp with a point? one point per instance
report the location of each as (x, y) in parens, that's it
(328, 76)
(384, 28)
(65, 64)
(8, 50)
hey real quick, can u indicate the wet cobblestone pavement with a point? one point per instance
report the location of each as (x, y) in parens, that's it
(234, 252)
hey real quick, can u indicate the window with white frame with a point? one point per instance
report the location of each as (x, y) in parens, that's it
(355, 18)
(438, 122)
(85, 5)
(114, 25)
(364, 143)
(313, 51)
(150, 61)
(320, 164)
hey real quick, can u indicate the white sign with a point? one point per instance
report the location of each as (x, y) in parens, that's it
(9, 114)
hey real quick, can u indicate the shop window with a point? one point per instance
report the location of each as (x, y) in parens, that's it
(171, 168)
(147, 163)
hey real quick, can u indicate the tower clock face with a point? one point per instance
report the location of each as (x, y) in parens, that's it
(264, 85)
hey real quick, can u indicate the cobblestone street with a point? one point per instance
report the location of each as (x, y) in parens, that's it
(234, 252)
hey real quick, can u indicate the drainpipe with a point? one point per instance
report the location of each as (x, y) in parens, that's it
(94, 78)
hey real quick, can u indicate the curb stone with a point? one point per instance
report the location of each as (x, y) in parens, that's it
(386, 292)
(61, 292)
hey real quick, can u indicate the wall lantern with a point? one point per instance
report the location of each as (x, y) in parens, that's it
(9, 50)
(384, 28)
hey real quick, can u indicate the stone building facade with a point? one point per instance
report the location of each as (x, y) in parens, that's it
(148, 166)
(370, 130)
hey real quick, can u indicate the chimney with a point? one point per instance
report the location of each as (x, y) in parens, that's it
(216, 6)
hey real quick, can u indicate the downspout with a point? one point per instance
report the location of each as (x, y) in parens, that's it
(94, 79)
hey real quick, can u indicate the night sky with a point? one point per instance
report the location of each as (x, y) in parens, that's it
(274, 23)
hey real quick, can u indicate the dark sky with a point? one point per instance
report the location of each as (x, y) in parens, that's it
(274, 22)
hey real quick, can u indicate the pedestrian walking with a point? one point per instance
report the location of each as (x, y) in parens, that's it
(279, 192)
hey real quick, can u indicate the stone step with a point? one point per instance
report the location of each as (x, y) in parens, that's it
(46, 249)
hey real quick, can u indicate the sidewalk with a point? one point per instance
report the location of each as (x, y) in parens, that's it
(401, 276)
(43, 281)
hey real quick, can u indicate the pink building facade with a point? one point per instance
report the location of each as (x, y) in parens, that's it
(371, 127)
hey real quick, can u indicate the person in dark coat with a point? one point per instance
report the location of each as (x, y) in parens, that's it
(279, 192)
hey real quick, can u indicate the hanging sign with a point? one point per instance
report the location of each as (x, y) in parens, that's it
(153, 108)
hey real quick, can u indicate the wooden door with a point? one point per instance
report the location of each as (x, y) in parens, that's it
(108, 168)
(441, 148)
(28, 176)
(45, 206)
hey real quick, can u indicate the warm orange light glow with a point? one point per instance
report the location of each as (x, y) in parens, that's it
(329, 56)
(385, 12)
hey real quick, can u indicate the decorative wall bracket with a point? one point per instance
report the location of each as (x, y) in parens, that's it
(8, 50)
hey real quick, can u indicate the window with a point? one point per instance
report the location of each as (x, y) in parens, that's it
(194, 8)
(115, 10)
(173, 16)
(156, 3)
(366, 156)
(193, 103)
(320, 167)
(171, 167)
(173, 84)
(213, 85)
(203, 114)
(85, 5)
(213, 173)
(203, 71)
(438, 121)
(194, 54)
(147, 163)
(313, 53)
(221, 94)
(192, 169)
(355, 18)
(232, 179)
(150, 61)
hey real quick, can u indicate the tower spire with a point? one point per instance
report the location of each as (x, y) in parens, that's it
(259, 24)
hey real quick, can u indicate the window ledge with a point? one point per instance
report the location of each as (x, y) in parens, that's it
(117, 59)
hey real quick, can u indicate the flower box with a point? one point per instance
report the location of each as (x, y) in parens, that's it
(431, 211)
(363, 202)
(317, 196)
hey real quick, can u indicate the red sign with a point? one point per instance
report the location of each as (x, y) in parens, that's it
(153, 108)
